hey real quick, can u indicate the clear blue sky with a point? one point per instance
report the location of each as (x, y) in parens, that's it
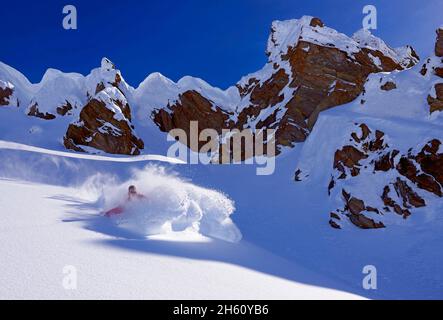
(219, 41)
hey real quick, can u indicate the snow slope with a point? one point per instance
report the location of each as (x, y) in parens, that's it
(288, 250)
(45, 228)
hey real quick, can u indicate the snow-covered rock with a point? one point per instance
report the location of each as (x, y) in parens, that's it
(15, 88)
(311, 68)
(439, 43)
(104, 122)
(381, 159)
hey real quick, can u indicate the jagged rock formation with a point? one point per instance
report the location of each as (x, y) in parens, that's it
(435, 66)
(387, 165)
(104, 122)
(439, 43)
(6, 91)
(410, 177)
(311, 68)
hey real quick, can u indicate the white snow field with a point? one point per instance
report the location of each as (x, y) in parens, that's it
(46, 230)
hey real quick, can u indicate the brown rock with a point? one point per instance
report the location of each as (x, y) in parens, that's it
(439, 71)
(439, 43)
(63, 110)
(5, 94)
(321, 77)
(364, 222)
(192, 106)
(35, 112)
(355, 207)
(268, 94)
(316, 22)
(389, 202)
(334, 224)
(97, 128)
(386, 161)
(407, 168)
(388, 86)
(333, 215)
(424, 70)
(436, 103)
(349, 157)
(331, 186)
(410, 198)
(100, 87)
(431, 162)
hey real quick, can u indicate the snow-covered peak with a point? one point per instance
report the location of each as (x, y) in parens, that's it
(155, 81)
(13, 75)
(107, 64)
(157, 91)
(57, 75)
(58, 88)
(285, 34)
(401, 55)
(106, 75)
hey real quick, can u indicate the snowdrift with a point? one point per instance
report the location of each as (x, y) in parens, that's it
(171, 205)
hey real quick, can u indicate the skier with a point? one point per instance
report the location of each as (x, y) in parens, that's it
(132, 195)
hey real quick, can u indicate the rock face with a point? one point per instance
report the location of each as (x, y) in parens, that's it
(98, 128)
(34, 111)
(191, 105)
(104, 122)
(92, 113)
(5, 94)
(412, 176)
(439, 43)
(311, 68)
(436, 102)
(435, 65)
(388, 86)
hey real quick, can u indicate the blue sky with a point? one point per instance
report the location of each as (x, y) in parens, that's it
(219, 41)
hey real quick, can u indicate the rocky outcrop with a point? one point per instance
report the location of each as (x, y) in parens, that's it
(311, 68)
(34, 111)
(192, 106)
(435, 100)
(435, 66)
(355, 210)
(98, 128)
(411, 176)
(104, 123)
(6, 91)
(388, 86)
(439, 43)
(65, 109)
(4, 96)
